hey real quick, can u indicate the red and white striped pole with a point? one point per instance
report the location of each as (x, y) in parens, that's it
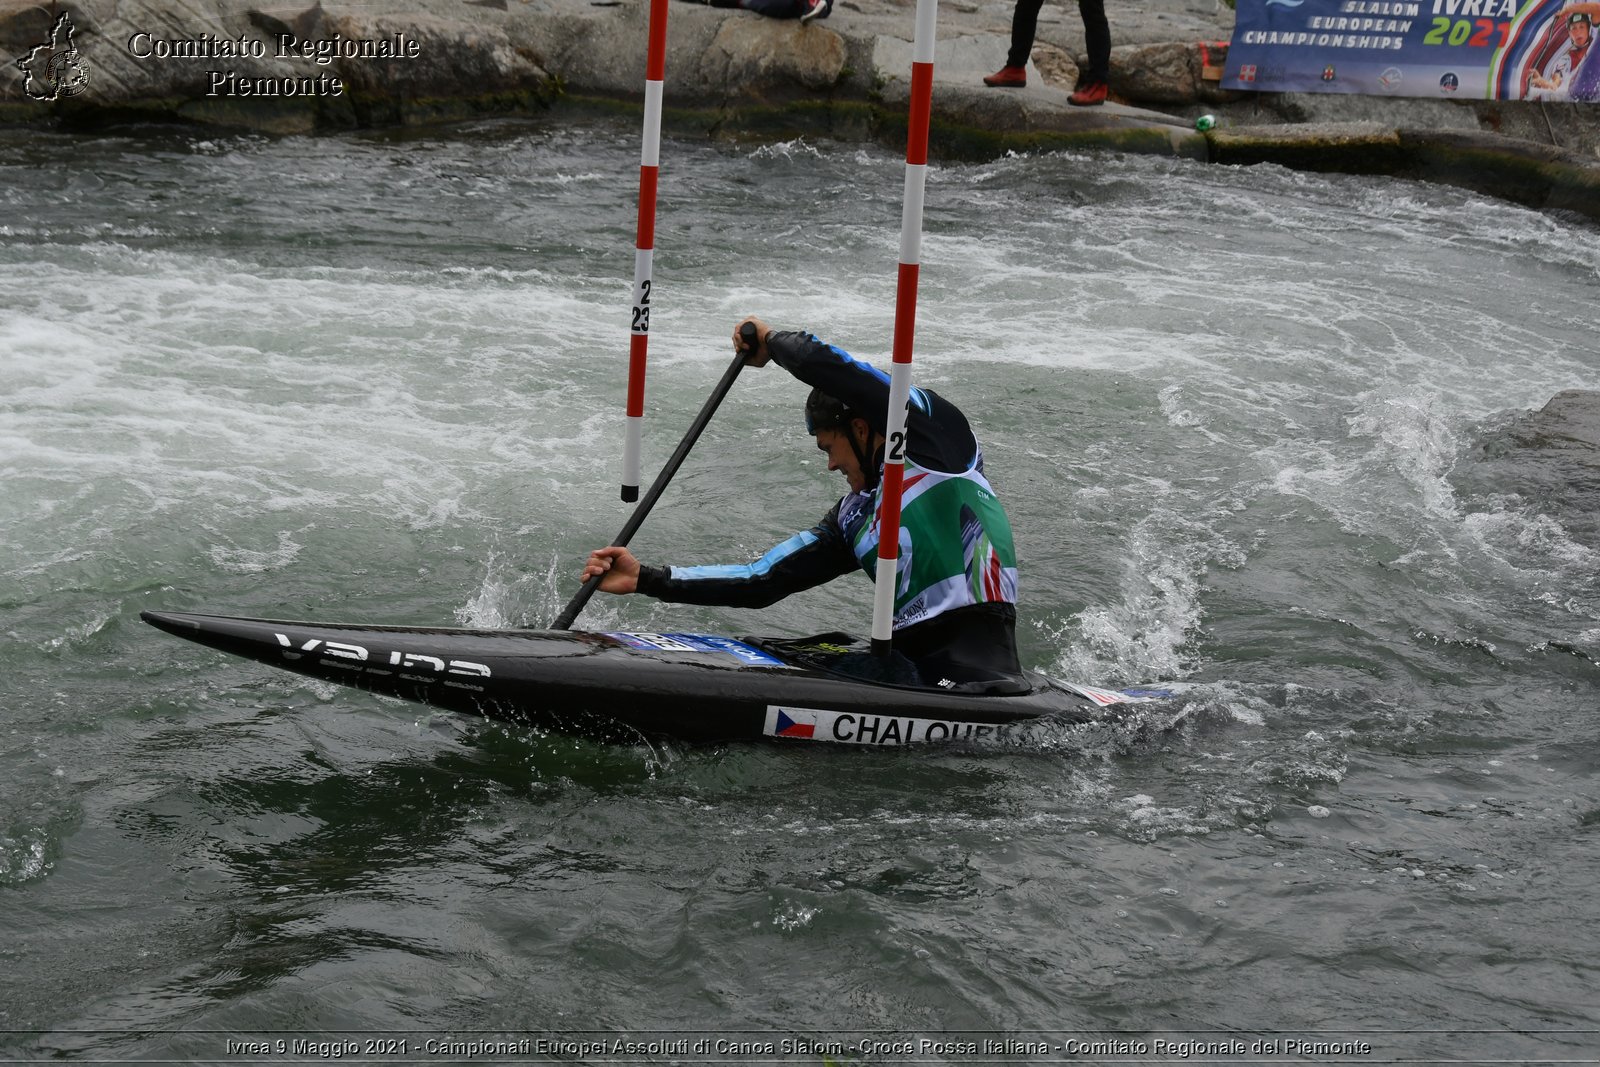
(905, 324)
(644, 246)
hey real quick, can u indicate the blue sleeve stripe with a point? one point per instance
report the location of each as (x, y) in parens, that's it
(854, 362)
(919, 399)
(760, 567)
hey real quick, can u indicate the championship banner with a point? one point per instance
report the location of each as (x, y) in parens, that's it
(1472, 49)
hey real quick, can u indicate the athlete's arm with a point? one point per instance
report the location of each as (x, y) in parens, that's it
(938, 435)
(807, 559)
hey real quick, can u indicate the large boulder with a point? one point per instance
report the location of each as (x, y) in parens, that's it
(1156, 73)
(769, 58)
(714, 58)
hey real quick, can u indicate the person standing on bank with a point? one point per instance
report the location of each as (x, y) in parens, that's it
(955, 605)
(1093, 83)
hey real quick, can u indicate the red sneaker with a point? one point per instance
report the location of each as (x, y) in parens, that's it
(1007, 78)
(1089, 94)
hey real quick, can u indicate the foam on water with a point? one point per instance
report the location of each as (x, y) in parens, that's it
(509, 598)
(1142, 637)
(1229, 410)
(22, 858)
(142, 374)
(418, 385)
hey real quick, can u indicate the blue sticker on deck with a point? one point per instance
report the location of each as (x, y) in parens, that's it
(698, 643)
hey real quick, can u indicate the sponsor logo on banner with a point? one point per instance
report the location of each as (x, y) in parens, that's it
(864, 728)
(1481, 49)
(649, 642)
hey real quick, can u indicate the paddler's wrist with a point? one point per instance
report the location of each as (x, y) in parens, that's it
(650, 579)
(778, 345)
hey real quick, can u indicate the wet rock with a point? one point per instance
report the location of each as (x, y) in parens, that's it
(1538, 176)
(1348, 147)
(732, 71)
(479, 67)
(1547, 460)
(1156, 73)
(1569, 426)
(1574, 127)
(1389, 111)
(1535, 175)
(971, 119)
(243, 67)
(1056, 66)
(23, 25)
(772, 59)
(715, 60)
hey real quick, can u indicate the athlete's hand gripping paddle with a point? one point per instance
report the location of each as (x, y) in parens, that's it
(750, 345)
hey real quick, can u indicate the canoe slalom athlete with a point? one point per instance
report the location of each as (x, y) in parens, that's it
(955, 607)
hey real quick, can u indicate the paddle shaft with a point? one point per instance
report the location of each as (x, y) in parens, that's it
(747, 335)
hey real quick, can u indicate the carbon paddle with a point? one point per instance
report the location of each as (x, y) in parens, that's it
(747, 335)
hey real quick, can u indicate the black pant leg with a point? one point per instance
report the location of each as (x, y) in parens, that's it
(1097, 39)
(1024, 24)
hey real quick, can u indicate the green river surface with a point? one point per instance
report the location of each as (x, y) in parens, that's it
(1257, 434)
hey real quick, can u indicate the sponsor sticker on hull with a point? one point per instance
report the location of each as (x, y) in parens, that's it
(1107, 697)
(412, 666)
(866, 728)
(697, 643)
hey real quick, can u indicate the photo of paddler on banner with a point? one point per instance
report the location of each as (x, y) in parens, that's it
(1562, 63)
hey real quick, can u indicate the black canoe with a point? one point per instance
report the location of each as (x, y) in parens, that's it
(618, 686)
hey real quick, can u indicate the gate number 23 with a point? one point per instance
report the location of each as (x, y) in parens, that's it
(641, 309)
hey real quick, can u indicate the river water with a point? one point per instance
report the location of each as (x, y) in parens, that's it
(1257, 433)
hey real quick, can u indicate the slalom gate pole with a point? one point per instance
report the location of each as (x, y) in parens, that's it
(905, 323)
(748, 345)
(644, 246)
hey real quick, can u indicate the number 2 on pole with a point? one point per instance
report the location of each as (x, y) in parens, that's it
(897, 447)
(641, 308)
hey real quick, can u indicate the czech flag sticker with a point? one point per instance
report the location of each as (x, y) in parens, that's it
(781, 723)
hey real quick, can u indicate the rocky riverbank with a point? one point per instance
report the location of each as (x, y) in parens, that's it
(298, 68)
